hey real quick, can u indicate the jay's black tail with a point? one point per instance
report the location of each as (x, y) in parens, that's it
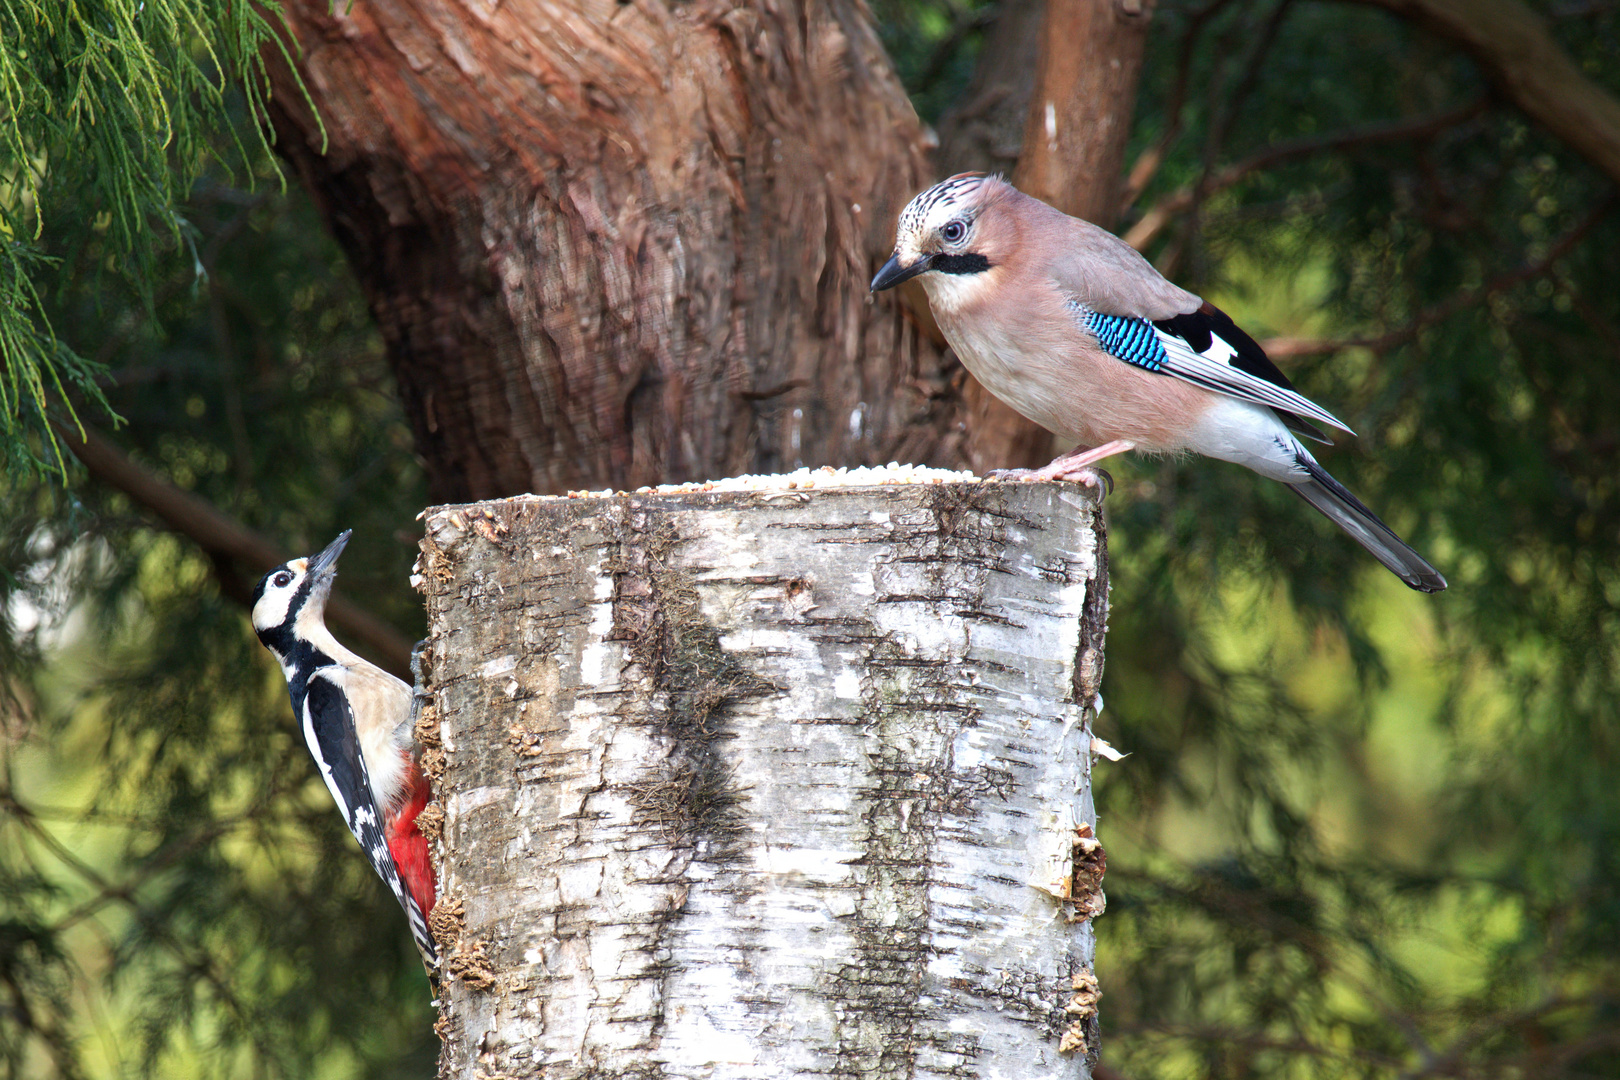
(1347, 512)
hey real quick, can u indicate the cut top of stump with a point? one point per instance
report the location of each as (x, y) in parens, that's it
(803, 480)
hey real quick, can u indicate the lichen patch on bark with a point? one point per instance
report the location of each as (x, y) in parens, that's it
(1081, 1034)
(692, 792)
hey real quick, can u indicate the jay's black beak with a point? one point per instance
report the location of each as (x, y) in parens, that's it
(893, 273)
(322, 565)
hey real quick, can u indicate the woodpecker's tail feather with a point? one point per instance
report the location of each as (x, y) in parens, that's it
(1347, 512)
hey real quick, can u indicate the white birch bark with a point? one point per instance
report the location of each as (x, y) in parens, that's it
(780, 784)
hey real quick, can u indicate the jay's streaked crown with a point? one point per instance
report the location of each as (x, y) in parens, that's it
(938, 230)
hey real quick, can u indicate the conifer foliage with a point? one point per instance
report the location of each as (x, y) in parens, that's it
(109, 110)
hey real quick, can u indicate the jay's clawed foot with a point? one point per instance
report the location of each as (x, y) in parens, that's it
(1085, 474)
(1075, 466)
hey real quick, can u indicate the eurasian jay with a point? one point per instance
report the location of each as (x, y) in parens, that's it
(1073, 328)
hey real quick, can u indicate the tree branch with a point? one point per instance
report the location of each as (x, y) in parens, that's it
(1287, 346)
(198, 965)
(1079, 118)
(1252, 65)
(1511, 43)
(1147, 163)
(1152, 223)
(225, 540)
(1224, 106)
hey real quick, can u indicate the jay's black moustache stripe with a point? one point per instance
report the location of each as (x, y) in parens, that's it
(969, 263)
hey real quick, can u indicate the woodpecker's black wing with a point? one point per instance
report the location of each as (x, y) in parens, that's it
(329, 730)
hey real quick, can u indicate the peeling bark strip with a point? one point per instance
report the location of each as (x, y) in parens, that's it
(768, 784)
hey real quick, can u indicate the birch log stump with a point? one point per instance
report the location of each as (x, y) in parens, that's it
(766, 784)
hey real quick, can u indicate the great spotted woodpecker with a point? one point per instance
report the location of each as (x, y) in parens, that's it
(357, 721)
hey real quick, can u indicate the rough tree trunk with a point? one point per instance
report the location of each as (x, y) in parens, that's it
(983, 131)
(619, 243)
(767, 784)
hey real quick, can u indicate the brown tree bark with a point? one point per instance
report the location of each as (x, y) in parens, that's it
(1086, 58)
(1079, 118)
(620, 243)
(984, 130)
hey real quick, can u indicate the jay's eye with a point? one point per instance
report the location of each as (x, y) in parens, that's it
(953, 231)
(283, 579)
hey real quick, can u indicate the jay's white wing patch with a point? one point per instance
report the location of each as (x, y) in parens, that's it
(1213, 370)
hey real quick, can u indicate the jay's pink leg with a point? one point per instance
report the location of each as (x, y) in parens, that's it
(1075, 465)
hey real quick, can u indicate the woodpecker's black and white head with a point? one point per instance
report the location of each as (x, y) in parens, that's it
(289, 604)
(948, 232)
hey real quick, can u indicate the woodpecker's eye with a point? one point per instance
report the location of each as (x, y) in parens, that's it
(953, 231)
(283, 579)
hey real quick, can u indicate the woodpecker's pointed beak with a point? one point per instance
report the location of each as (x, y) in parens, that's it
(893, 273)
(321, 566)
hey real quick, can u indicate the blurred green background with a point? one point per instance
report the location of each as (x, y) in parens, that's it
(1361, 831)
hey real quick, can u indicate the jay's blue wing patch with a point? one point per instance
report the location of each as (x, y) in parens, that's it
(1205, 348)
(1134, 341)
